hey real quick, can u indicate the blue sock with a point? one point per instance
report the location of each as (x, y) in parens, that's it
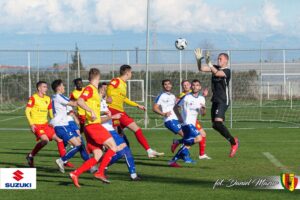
(70, 153)
(181, 152)
(129, 160)
(117, 157)
(84, 154)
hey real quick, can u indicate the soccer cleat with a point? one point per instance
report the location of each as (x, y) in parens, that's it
(206, 157)
(101, 177)
(30, 160)
(94, 169)
(69, 165)
(174, 146)
(60, 165)
(174, 164)
(188, 160)
(234, 148)
(74, 179)
(153, 154)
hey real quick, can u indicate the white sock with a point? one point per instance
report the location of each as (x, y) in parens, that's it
(149, 151)
(133, 176)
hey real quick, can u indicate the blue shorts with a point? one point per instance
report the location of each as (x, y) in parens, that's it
(73, 126)
(173, 125)
(118, 139)
(190, 132)
(65, 133)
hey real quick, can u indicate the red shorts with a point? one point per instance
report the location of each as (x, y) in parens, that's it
(95, 135)
(124, 121)
(81, 119)
(198, 125)
(43, 129)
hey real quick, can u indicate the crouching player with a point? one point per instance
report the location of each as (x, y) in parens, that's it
(122, 149)
(37, 110)
(191, 105)
(61, 125)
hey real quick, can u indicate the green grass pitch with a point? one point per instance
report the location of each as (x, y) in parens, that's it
(192, 181)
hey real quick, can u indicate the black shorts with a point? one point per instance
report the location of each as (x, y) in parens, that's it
(218, 110)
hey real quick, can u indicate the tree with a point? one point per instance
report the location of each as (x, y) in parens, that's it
(76, 59)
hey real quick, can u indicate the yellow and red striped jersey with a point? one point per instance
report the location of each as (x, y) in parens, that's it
(75, 94)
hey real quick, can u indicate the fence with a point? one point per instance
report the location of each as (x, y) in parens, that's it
(265, 84)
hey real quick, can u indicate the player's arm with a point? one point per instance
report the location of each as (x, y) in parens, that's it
(156, 109)
(134, 104)
(72, 114)
(28, 109)
(177, 113)
(110, 117)
(199, 58)
(203, 111)
(50, 111)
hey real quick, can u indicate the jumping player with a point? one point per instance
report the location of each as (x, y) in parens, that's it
(220, 89)
(96, 135)
(117, 91)
(37, 110)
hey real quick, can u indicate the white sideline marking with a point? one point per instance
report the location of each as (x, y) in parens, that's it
(4, 120)
(275, 161)
(14, 129)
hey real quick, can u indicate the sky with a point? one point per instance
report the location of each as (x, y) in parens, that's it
(121, 24)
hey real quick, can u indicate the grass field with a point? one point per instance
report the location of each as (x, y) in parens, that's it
(192, 181)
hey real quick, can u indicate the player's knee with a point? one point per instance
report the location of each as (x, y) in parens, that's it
(217, 125)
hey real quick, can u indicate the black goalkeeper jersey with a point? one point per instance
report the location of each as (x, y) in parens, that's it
(220, 86)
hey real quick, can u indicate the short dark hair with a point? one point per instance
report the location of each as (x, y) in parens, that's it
(76, 80)
(38, 84)
(93, 73)
(183, 81)
(124, 69)
(224, 54)
(164, 81)
(55, 84)
(100, 85)
(196, 81)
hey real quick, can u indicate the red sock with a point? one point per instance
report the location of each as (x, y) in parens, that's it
(37, 148)
(106, 160)
(141, 139)
(85, 166)
(61, 148)
(202, 145)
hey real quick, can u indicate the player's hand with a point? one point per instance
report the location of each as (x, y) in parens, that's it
(167, 114)
(108, 99)
(117, 116)
(198, 54)
(108, 113)
(93, 116)
(205, 92)
(207, 59)
(141, 107)
(32, 127)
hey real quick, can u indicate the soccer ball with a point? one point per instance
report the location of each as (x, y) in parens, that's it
(181, 43)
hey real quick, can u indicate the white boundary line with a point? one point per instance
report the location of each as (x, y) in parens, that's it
(4, 120)
(275, 161)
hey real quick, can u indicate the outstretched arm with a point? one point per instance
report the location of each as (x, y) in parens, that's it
(199, 58)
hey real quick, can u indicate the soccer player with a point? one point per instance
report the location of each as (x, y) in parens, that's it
(74, 96)
(117, 91)
(61, 124)
(220, 89)
(122, 149)
(37, 110)
(186, 86)
(191, 105)
(96, 135)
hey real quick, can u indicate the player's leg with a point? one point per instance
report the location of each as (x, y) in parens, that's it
(120, 131)
(142, 140)
(218, 113)
(43, 142)
(202, 144)
(175, 127)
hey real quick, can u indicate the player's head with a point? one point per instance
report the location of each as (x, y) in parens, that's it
(58, 86)
(125, 72)
(196, 86)
(94, 76)
(78, 83)
(42, 87)
(186, 85)
(223, 59)
(102, 87)
(167, 85)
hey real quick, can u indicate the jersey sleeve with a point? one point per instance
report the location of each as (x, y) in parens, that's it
(72, 96)
(30, 102)
(227, 72)
(181, 101)
(202, 102)
(129, 102)
(114, 83)
(63, 99)
(158, 99)
(87, 93)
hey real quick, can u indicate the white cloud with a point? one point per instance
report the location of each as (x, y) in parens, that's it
(105, 16)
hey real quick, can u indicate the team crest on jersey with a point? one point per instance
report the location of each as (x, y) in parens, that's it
(289, 181)
(86, 93)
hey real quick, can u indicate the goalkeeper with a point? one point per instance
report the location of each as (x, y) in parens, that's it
(220, 93)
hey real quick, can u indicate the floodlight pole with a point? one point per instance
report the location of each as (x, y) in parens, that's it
(147, 63)
(29, 74)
